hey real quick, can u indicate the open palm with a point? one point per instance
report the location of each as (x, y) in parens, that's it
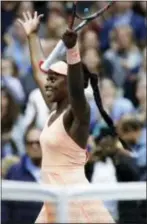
(30, 23)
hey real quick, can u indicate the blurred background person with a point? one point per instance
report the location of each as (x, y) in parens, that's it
(111, 163)
(123, 14)
(10, 78)
(89, 38)
(114, 103)
(104, 172)
(18, 44)
(7, 163)
(36, 110)
(8, 10)
(92, 59)
(123, 55)
(11, 129)
(27, 169)
(132, 130)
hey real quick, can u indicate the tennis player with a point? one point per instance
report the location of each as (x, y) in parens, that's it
(65, 134)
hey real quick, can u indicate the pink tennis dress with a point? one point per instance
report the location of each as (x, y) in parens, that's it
(63, 164)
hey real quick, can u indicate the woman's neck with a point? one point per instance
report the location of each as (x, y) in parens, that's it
(61, 106)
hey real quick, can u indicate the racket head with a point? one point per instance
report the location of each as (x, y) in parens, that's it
(90, 12)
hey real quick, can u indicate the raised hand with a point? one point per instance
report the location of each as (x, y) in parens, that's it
(30, 23)
(69, 38)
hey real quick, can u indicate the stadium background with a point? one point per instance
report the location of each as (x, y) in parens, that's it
(115, 48)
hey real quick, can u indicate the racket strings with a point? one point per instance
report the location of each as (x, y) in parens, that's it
(91, 14)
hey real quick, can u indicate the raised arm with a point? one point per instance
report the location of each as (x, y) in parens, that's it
(30, 25)
(77, 98)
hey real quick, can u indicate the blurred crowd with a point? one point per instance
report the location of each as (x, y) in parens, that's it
(115, 48)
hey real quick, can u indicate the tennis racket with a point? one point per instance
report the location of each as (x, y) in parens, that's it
(86, 15)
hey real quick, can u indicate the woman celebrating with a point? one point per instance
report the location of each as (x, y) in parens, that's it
(64, 137)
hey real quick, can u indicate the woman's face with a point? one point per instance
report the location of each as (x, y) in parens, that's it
(124, 38)
(90, 40)
(56, 24)
(24, 7)
(107, 88)
(92, 60)
(108, 93)
(4, 103)
(56, 87)
(33, 145)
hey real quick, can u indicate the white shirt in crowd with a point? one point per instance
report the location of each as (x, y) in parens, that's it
(104, 172)
(36, 109)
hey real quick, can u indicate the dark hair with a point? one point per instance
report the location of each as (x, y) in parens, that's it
(130, 123)
(93, 78)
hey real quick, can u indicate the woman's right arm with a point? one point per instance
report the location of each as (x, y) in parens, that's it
(30, 25)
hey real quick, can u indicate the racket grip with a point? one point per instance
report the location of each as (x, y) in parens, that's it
(58, 51)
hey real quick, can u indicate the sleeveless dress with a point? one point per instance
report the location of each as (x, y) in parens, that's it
(63, 164)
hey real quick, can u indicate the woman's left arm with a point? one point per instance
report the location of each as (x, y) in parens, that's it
(80, 107)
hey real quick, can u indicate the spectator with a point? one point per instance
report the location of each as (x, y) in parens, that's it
(28, 169)
(115, 105)
(18, 44)
(104, 172)
(10, 78)
(106, 146)
(36, 110)
(132, 130)
(9, 9)
(24, 7)
(7, 163)
(89, 39)
(55, 25)
(108, 149)
(123, 14)
(92, 59)
(11, 125)
(124, 56)
(56, 5)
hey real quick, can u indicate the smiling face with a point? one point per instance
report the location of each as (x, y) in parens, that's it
(56, 87)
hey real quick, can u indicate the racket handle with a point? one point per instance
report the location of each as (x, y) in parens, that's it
(58, 51)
